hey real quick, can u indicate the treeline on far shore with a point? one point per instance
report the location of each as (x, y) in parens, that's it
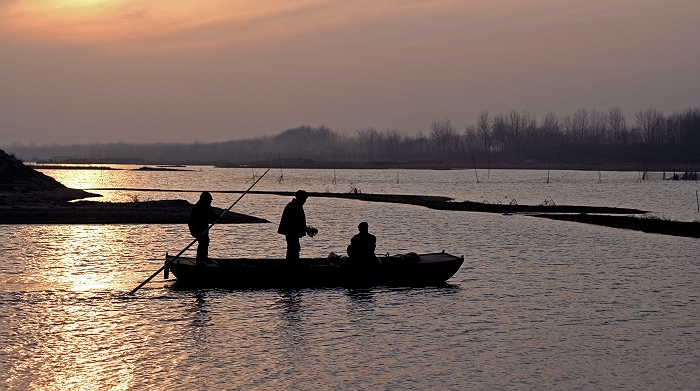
(586, 139)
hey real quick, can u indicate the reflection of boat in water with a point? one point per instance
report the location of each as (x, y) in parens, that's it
(408, 270)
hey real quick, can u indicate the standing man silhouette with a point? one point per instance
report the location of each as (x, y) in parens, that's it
(293, 226)
(198, 223)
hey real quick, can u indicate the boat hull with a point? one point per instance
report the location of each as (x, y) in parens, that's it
(422, 270)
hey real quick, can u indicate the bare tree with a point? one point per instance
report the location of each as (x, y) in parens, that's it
(484, 130)
(500, 132)
(580, 126)
(616, 127)
(445, 136)
(650, 123)
(550, 125)
(368, 141)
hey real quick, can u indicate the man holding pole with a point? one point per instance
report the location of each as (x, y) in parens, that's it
(198, 223)
(293, 226)
(205, 230)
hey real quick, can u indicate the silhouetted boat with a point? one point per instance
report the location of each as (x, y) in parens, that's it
(410, 270)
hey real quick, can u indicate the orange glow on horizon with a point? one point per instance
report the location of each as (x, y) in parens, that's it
(183, 22)
(85, 21)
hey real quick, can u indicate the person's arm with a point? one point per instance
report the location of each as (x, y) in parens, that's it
(311, 231)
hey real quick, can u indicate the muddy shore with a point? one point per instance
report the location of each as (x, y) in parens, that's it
(656, 226)
(604, 216)
(91, 212)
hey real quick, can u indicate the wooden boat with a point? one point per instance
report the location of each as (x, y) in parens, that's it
(409, 270)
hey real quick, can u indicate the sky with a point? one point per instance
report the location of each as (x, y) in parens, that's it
(138, 71)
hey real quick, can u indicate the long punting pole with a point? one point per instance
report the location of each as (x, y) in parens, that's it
(166, 264)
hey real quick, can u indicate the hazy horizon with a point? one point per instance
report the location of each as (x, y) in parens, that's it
(98, 71)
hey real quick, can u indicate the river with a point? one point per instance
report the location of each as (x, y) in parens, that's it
(538, 304)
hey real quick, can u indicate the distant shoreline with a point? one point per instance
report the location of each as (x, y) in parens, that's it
(378, 165)
(88, 166)
(31, 197)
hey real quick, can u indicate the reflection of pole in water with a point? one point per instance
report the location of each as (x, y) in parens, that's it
(488, 167)
(334, 178)
(281, 178)
(102, 180)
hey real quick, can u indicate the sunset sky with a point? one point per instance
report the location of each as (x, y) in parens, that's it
(83, 71)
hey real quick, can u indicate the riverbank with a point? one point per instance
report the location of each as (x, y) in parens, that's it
(527, 164)
(648, 225)
(30, 197)
(604, 216)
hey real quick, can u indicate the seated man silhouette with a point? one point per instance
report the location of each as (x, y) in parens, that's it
(361, 248)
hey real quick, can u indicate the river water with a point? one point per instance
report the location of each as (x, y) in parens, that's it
(538, 304)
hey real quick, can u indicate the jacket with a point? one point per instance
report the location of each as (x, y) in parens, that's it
(293, 222)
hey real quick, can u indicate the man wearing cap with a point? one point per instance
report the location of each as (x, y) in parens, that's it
(198, 223)
(293, 225)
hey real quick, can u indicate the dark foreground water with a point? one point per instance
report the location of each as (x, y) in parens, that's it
(538, 304)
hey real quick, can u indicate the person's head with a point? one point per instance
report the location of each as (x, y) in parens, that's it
(363, 226)
(301, 196)
(205, 197)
